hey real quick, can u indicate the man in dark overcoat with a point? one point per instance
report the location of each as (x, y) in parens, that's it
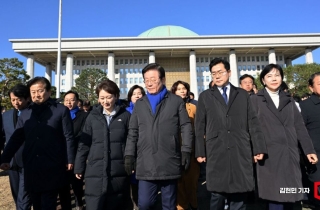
(20, 97)
(47, 131)
(228, 135)
(157, 121)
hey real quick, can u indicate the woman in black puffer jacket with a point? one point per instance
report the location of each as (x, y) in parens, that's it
(101, 149)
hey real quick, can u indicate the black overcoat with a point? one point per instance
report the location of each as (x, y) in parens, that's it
(225, 135)
(155, 139)
(49, 145)
(283, 128)
(100, 155)
(310, 110)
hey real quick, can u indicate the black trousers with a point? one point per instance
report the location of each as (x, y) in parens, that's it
(44, 200)
(236, 201)
(148, 191)
(20, 196)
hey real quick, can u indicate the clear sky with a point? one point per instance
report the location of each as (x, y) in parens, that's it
(121, 18)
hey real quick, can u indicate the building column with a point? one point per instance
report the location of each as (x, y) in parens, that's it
(288, 62)
(111, 75)
(30, 66)
(309, 57)
(234, 78)
(193, 74)
(152, 57)
(69, 72)
(272, 56)
(48, 72)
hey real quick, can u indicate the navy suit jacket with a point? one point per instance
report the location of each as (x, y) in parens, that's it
(8, 128)
(47, 132)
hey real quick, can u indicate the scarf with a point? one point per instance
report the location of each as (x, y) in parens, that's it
(130, 107)
(156, 99)
(73, 112)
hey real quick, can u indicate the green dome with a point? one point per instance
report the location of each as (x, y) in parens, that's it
(167, 31)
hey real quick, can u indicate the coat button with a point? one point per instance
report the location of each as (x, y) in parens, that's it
(227, 116)
(109, 151)
(228, 148)
(228, 131)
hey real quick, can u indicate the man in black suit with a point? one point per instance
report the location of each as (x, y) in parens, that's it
(71, 100)
(20, 98)
(225, 126)
(47, 131)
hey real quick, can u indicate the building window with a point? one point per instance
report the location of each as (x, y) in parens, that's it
(102, 62)
(130, 61)
(202, 79)
(126, 61)
(63, 82)
(83, 62)
(145, 61)
(198, 80)
(136, 80)
(244, 67)
(140, 80)
(126, 80)
(197, 60)
(107, 62)
(248, 58)
(131, 71)
(140, 70)
(121, 81)
(140, 61)
(202, 69)
(253, 58)
(206, 59)
(258, 58)
(243, 59)
(121, 61)
(131, 80)
(116, 71)
(198, 69)
(121, 90)
(258, 67)
(262, 66)
(262, 58)
(276, 58)
(121, 71)
(249, 67)
(135, 61)
(117, 62)
(92, 62)
(136, 71)
(253, 68)
(207, 68)
(78, 62)
(239, 59)
(239, 68)
(63, 72)
(106, 71)
(201, 60)
(280, 57)
(88, 62)
(207, 78)
(63, 63)
(126, 71)
(267, 58)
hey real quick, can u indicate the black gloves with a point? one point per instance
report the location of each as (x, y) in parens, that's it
(129, 162)
(185, 159)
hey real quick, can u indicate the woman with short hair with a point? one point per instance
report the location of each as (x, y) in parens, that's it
(101, 149)
(279, 174)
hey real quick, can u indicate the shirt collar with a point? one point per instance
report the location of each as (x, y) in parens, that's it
(104, 112)
(228, 87)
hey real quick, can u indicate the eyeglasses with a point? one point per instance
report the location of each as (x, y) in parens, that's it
(219, 73)
(71, 100)
(152, 80)
(37, 91)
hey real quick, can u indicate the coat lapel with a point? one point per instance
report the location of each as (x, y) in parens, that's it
(233, 94)
(284, 99)
(315, 99)
(216, 93)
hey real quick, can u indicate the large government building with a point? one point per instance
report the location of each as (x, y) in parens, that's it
(184, 54)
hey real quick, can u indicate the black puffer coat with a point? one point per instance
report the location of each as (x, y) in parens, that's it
(103, 147)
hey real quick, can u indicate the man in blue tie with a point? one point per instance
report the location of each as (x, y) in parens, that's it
(226, 129)
(20, 99)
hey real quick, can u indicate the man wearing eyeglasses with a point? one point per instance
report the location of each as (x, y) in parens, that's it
(226, 129)
(157, 121)
(45, 128)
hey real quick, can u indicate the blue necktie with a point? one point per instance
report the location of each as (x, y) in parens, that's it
(19, 112)
(224, 94)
